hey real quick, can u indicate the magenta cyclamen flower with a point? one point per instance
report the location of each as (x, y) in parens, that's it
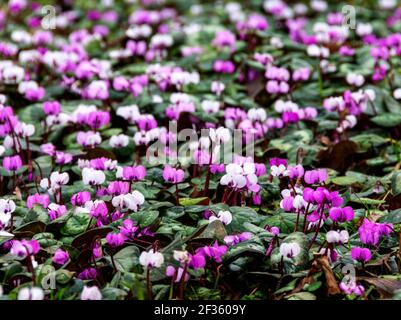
(221, 66)
(80, 198)
(361, 254)
(116, 188)
(24, 248)
(341, 214)
(37, 198)
(296, 171)
(177, 274)
(51, 107)
(223, 39)
(134, 173)
(370, 232)
(98, 119)
(12, 163)
(129, 229)
(214, 252)
(315, 176)
(173, 175)
(99, 210)
(115, 239)
(232, 240)
(60, 257)
(88, 274)
(197, 261)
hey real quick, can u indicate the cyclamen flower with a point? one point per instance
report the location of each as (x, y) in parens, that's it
(223, 39)
(60, 257)
(93, 177)
(12, 163)
(232, 240)
(151, 259)
(24, 248)
(116, 188)
(217, 87)
(134, 173)
(63, 158)
(51, 107)
(119, 141)
(290, 250)
(224, 216)
(278, 167)
(88, 139)
(88, 274)
(37, 198)
(130, 201)
(91, 293)
(214, 252)
(56, 210)
(337, 237)
(177, 274)
(99, 209)
(115, 239)
(370, 232)
(315, 176)
(129, 229)
(221, 66)
(173, 175)
(80, 198)
(352, 288)
(361, 254)
(341, 214)
(296, 171)
(34, 293)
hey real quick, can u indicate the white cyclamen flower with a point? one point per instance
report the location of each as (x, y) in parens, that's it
(34, 293)
(290, 250)
(224, 216)
(92, 177)
(91, 293)
(151, 259)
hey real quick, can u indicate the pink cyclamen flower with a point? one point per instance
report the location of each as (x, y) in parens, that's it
(88, 274)
(341, 214)
(79, 199)
(214, 252)
(115, 239)
(12, 163)
(24, 248)
(37, 198)
(232, 240)
(116, 188)
(173, 175)
(221, 66)
(370, 232)
(177, 274)
(361, 254)
(315, 176)
(60, 257)
(134, 173)
(51, 107)
(352, 288)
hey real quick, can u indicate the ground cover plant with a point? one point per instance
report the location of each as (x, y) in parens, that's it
(158, 149)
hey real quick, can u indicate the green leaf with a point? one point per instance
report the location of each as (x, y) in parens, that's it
(387, 120)
(192, 201)
(76, 224)
(392, 217)
(396, 183)
(344, 181)
(301, 296)
(145, 218)
(126, 258)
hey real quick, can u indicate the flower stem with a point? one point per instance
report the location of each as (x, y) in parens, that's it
(148, 285)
